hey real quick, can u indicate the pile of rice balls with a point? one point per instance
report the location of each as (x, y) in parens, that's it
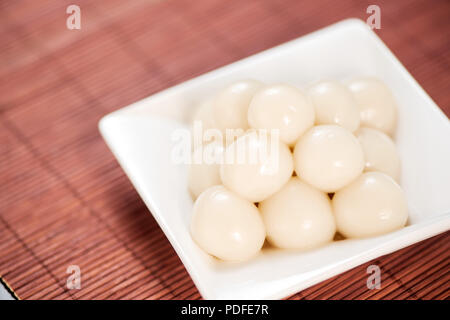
(337, 168)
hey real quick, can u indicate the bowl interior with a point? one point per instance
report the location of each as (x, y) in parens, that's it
(141, 137)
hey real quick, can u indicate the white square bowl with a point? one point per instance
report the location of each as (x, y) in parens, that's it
(140, 137)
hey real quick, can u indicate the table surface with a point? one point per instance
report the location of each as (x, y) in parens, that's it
(65, 201)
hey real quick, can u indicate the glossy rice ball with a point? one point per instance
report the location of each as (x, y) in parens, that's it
(231, 104)
(226, 225)
(378, 108)
(380, 152)
(298, 216)
(328, 157)
(256, 166)
(282, 107)
(334, 104)
(203, 123)
(204, 114)
(372, 205)
(204, 169)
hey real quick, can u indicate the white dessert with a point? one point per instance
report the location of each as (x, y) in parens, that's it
(244, 185)
(226, 225)
(378, 108)
(282, 107)
(328, 157)
(204, 114)
(204, 169)
(298, 216)
(334, 104)
(372, 205)
(255, 167)
(231, 104)
(379, 152)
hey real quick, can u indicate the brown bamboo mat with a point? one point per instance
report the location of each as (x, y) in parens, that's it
(65, 201)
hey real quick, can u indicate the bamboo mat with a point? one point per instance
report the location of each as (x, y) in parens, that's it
(65, 201)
